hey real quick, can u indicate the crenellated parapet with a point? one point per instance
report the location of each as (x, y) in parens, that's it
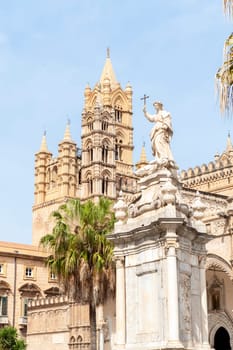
(215, 177)
(47, 302)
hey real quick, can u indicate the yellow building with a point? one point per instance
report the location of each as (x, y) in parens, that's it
(23, 276)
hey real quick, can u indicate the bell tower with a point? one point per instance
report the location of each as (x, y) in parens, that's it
(105, 165)
(107, 138)
(56, 180)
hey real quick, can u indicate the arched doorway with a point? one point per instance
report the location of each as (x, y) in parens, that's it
(222, 339)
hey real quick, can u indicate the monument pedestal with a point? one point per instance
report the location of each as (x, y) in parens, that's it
(160, 276)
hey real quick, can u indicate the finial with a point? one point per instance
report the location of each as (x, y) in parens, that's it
(43, 147)
(67, 135)
(229, 144)
(108, 71)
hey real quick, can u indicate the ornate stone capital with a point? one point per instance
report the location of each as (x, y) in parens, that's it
(120, 262)
(171, 244)
(202, 261)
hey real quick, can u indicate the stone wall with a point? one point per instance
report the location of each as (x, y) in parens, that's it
(48, 321)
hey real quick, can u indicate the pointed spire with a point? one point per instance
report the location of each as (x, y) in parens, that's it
(108, 72)
(143, 159)
(229, 143)
(67, 135)
(43, 146)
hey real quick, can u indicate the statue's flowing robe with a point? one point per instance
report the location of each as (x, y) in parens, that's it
(161, 135)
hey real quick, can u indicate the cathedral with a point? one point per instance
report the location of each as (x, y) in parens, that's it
(173, 238)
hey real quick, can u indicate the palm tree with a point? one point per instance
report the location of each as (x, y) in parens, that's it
(82, 256)
(224, 76)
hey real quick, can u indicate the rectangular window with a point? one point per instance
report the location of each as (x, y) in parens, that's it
(2, 269)
(53, 276)
(3, 306)
(25, 306)
(28, 272)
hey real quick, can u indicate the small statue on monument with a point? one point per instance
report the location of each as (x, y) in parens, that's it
(160, 135)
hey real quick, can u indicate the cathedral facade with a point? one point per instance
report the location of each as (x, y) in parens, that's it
(173, 241)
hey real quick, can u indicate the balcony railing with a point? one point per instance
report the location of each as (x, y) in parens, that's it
(4, 320)
(23, 321)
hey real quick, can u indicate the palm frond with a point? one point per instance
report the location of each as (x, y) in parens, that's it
(224, 78)
(81, 255)
(228, 8)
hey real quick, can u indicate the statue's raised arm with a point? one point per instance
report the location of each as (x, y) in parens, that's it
(161, 134)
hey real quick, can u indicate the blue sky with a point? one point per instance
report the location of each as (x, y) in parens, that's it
(50, 50)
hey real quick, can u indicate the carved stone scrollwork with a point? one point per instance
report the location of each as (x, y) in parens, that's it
(121, 209)
(106, 332)
(170, 246)
(169, 192)
(185, 284)
(198, 208)
(202, 261)
(120, 262)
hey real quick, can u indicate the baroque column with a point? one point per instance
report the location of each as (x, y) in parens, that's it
(172, 288)
(120, 301)
(204, 312)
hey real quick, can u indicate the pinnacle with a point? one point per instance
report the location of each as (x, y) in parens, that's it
(143, 158)
(108, 72)
(67, 134)
(229, 143)
(43, 147)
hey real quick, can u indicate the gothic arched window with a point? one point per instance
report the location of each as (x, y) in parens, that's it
(90, 185)
(104, 125)
(118, 149)
(105, 153)
(79, 177)
(54, 176)
(105, 185)
(90, 153)
(118, 114)
(90, 124)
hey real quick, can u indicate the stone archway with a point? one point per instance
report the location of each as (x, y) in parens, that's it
(217, 320)
(222, 339)
(215, 261)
